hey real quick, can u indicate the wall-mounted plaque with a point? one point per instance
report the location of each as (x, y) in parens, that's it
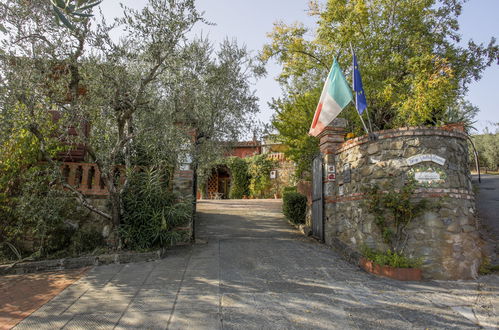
(425, 158)
(273, 174)
(426, 176)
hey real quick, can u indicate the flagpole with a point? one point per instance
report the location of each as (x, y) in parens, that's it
(356, 110)
(360, 116)
(369, 120)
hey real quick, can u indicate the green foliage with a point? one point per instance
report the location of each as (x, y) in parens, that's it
(152, 212)
(394, 210)
(37, 212)
(487, 146)
(292, 121)
(389, 258)
(259, 170)
(414, 68)
(240, 178)
(294, 207)
(288, 189)
(66, 11)
(86, 240)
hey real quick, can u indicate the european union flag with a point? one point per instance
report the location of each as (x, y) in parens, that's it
(360, 96)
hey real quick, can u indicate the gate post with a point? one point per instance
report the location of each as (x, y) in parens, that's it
(331, 139)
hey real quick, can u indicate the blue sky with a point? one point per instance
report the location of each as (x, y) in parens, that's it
(250, 21)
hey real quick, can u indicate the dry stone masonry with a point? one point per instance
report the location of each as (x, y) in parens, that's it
(446, 236)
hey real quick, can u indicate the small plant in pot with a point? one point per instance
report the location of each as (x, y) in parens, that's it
(394, 210)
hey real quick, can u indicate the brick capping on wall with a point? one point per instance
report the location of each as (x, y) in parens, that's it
(403, 131)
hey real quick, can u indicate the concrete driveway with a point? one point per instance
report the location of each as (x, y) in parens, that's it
(254, 271)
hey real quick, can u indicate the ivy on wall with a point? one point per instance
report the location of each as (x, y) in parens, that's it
(394, 210)
(240, 177)
(259, 168)
(250, 177)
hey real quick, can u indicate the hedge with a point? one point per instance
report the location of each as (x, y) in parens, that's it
(294, 207)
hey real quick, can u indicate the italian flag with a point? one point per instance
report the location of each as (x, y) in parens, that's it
(335, 96)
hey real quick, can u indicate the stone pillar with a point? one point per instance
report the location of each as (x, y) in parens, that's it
(330, 140)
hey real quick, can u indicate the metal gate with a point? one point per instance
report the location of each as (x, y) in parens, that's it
(317, 201)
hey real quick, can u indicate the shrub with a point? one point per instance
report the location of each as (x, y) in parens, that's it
(86, 240)
(259, 170)
(389, 258)
(294, 207)
(289, 189)
(152, 212)
(34, 213)
(239, 185)
(394, 210)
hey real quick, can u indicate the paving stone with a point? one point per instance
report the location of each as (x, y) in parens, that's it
(195, 319)
(93, 321)
(147, 304)
(43, 322)
(98, 306)
(154, 290)
(144, 320)
(198, 302)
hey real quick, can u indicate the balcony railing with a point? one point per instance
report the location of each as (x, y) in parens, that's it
(279, 156)
(87, 179)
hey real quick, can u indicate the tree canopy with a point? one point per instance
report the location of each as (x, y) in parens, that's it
(415, 68)
(140, 96)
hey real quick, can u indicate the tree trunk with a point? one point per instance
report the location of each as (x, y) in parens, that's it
(115, 201)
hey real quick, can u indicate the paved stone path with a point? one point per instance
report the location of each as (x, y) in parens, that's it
(254, 272)
(21, 295)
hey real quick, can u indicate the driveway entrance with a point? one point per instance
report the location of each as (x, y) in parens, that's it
(254, 271)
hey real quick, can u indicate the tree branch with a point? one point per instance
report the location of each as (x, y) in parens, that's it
(33, 128)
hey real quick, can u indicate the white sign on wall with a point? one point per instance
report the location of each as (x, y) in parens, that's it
(273, 174)
(425, 158)
(424, 177)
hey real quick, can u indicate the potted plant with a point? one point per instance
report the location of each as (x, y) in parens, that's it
(391, 264)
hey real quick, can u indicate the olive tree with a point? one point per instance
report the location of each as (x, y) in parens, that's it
(86, 77)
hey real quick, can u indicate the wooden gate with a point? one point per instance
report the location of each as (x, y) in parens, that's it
(317, 199)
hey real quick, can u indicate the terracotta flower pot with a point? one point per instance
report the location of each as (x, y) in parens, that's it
(401, 274)
(454, 127)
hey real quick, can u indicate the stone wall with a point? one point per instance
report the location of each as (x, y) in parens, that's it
(285, 176)
(446, 236)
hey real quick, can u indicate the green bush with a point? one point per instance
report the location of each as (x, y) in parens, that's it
(259, 170)
(152, 212)
(389, 258)
(86, 240)
(33, 210)
(294, 207)
(239, 185)
(289, 189)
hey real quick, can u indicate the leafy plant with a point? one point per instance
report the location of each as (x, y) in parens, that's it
(67, 10)
(393, 211)
(239, 185)
(86, 240)
(259, 170)
(288, 189)
(294, 207)
(389, 258)
(152, 214)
